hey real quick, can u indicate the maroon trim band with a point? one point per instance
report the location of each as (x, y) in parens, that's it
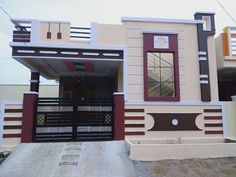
(134, 125)
(212, 110)
(134, 110)
(135, 118)
(213, 124)
(16, 135)
(13, 110)
(12, 118)
(214, 132)
(134, 133)
(213, 117)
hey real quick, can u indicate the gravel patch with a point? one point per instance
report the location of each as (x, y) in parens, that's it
(212, 167)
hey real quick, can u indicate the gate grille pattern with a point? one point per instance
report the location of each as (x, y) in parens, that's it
(60, 119)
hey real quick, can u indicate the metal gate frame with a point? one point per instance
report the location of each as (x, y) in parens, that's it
(60, 119)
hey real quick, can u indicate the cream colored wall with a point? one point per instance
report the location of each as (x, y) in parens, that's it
(120, 79)
(219, 51)
(15, 92)
(54, 29)
(212, 68)
(188, 58)
(230, 119)
(110, 34)
(200, 121)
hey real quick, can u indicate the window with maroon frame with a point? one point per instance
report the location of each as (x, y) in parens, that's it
(161, 68)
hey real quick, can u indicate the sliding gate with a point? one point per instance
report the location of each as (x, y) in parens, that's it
(60, 119)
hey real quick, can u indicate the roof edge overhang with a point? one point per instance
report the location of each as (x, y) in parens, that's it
(159, 20)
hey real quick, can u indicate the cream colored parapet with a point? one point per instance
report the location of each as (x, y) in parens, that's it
(230, 118)
(54, 32)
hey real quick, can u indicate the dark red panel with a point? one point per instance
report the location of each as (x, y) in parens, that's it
(134, 125)
(70, 65)
(28, 117)
(119, 117)
(148, 46)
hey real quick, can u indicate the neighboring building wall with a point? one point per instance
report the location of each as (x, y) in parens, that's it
(230, 121)
(15, 92)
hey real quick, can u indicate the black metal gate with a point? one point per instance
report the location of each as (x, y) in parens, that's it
(58, 119)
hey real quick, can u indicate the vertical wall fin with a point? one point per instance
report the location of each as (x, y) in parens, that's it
(204, 30)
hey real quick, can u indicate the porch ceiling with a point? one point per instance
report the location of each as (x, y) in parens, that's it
(54, 68)
(52, 63)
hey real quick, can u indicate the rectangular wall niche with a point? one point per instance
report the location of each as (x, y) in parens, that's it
(161, 42)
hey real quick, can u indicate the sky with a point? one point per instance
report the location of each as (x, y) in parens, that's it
(83, 12)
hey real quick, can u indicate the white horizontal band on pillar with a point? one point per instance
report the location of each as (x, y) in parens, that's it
(204, 76)
(203, 82)
(34, 81)
(201, 53)
(202, 59)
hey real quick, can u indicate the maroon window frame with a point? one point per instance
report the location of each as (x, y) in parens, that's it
(148, 46)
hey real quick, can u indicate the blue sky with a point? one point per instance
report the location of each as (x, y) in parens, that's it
(83, 12)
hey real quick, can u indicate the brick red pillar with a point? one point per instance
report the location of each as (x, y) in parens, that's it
(28, 116)
(119, 105)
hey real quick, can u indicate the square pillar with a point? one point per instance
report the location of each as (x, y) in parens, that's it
(119, 105)
(28, 116)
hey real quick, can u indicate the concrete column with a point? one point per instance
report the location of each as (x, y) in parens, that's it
(34, 82)
(119, 104)
(28, 116)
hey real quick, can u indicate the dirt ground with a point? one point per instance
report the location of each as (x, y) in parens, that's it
(217, 167)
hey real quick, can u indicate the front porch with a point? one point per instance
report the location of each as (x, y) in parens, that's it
(88, 75)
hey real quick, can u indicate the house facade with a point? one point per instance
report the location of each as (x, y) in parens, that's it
(145, 78)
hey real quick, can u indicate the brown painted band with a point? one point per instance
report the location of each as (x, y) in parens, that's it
(213, 125)
(134, 110)
(17, 135)
(134, 118)
(214, 132)
(134, 133)
(13, 110)
(12, 127)
(212, 110)
(134, 125)
(213, 117)
(12, 118)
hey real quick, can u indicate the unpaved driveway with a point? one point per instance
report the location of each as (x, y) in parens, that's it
(218, 167)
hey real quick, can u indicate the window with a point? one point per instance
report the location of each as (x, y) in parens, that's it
(161, 82)
(206, 23)
(160, 74)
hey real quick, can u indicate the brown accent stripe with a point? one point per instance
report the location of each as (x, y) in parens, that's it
(212, 110)
(134, 110)
(134, 118)
(134, 133)
(12, 127)
(214, 132)
(233, 35)
(12, 118)
(213, 125)
(12, 135)
(213, 117)
(134, 125)
(13, 110)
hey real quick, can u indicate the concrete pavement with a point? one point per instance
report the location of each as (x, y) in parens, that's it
(88, 159)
